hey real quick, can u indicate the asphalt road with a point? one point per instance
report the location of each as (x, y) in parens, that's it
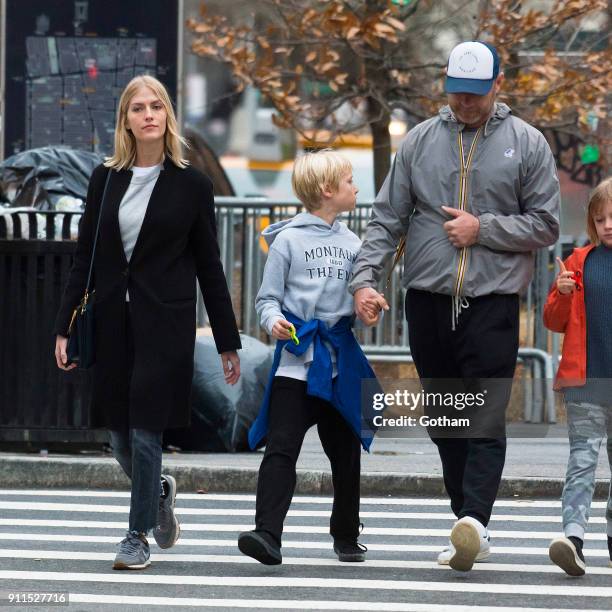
(54, 541)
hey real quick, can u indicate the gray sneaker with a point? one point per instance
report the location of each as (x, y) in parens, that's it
(133, 552)
(169, 530)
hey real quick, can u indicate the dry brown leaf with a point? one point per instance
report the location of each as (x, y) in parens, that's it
(328, 66)
(396, 23)
(383, 28)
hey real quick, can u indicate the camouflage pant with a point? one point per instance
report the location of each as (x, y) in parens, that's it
(587, 425)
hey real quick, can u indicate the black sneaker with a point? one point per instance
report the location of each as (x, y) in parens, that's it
(350, 551)
(567, 554)
(260, 545)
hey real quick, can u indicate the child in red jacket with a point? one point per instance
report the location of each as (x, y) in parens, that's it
(578, 305)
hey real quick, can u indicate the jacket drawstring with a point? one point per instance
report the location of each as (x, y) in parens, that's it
(458, 303)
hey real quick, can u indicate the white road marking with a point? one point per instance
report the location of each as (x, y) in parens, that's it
(308, 561)
(314, 583)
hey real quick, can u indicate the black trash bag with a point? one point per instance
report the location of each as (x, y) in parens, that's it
(39, 177)
(221, 415)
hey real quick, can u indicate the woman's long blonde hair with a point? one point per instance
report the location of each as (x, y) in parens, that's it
(124, 154)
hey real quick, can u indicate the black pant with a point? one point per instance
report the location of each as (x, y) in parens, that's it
(484, 345)
(292, 413)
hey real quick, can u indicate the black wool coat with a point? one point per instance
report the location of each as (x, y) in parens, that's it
(176, 244)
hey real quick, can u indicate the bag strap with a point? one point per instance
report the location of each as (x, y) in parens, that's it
(401, 247)
(93, 251)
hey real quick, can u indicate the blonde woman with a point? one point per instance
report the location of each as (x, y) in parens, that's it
(157, 234)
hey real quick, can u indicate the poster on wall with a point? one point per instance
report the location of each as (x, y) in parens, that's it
(67, 61)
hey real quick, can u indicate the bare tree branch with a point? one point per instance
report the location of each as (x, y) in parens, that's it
(380, 56)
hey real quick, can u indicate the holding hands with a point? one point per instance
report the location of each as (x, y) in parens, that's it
(368, 305)
(566, 281)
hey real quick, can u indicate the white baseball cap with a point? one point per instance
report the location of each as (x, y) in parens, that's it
(472, 68)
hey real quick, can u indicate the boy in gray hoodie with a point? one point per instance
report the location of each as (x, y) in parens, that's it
(305, 305)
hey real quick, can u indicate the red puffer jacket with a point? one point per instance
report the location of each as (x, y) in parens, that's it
(566, 314)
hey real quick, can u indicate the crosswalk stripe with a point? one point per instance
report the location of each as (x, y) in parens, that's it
(307, 561)
(89, 547)
(220, 527)
(314, 583)
(292, 604)
(298, 499)
(507, 550)
(186, 511)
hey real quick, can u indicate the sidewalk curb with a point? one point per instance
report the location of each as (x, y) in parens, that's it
(97, 473)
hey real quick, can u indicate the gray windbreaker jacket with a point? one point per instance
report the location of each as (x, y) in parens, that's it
(508, 180)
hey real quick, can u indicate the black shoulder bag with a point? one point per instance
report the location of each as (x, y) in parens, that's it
(81, 341)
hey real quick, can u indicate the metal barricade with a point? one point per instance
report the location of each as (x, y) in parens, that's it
(240, 222)
(38, 402)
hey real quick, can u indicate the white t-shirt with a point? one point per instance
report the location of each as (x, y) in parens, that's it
(134, 206)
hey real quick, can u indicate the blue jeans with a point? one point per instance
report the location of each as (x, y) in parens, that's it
(587, 426)
(139, 453)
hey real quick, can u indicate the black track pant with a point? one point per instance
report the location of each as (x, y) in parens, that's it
(483, 346)
(292, 413)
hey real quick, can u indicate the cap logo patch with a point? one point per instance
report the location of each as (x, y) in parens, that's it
(472, 68)
(468, 63)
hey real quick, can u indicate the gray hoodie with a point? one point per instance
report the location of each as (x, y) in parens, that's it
(307, 272)
(511, 185)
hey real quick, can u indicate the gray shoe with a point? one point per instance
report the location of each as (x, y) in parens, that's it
(133, 552)
(169, 530)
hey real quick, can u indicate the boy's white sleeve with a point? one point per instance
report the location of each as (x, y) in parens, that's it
(272, 291)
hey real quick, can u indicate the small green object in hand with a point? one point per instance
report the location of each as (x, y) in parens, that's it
(294, 337)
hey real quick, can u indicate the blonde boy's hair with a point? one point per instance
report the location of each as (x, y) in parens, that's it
(599, 196)
(314, 172)
(124, 154)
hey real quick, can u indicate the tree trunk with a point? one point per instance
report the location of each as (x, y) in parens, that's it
(378, 116)
(381, 142)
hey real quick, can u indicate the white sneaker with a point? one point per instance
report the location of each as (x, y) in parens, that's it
(483, 554)
(466, 538)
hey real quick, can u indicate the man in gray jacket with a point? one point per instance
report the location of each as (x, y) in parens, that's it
(474, 192)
